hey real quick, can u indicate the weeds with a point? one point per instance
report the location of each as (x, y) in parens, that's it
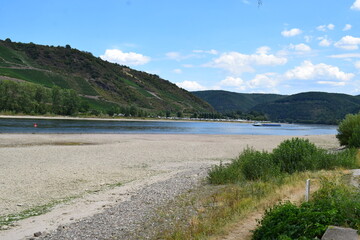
(334, 204)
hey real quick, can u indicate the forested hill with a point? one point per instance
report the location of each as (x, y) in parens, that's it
(308, 107)
(99, 83)
(311, 107)
(224, 101)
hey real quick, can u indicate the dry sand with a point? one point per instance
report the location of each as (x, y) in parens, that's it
(37, 169)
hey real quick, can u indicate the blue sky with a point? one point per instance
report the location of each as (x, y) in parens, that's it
(281, 47)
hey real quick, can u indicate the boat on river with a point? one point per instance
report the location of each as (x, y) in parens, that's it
(257, 124)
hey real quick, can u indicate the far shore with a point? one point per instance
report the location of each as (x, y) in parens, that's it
(122, 119)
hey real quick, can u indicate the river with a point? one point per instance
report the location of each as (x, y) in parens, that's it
(57, 126)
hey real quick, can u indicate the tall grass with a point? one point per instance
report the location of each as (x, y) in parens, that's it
(294, 155)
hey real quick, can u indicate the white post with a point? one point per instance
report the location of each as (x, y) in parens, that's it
(307, 190)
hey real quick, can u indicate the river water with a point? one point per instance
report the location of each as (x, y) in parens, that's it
(16, 125)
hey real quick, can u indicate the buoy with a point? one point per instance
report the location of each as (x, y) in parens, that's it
(35, 125)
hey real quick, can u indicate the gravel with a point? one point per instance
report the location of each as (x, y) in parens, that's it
(126, 220)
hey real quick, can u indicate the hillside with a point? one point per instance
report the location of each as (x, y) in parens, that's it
(224, 101)
(98, 82)
(311, 107)
(308, 107)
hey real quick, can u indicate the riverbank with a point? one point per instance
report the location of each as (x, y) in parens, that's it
(162, 119)
(38, 169)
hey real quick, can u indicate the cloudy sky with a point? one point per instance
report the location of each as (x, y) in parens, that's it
(281, 46)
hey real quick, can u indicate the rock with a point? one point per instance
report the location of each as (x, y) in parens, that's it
(37, 234)
(339, 233)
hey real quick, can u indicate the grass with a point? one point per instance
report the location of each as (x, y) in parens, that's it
(10, 219)
(31, 212)
(209, 211)
(257, 180)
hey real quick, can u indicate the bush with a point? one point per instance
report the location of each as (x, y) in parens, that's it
(295, 155)
(257, 165)
(349, 131)
(333, 204)
(250, 165)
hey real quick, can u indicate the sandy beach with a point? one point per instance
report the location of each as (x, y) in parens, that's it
(37, 169)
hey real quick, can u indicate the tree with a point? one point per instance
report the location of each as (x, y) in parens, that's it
(348, 131)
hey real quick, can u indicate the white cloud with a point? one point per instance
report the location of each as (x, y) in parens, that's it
(348, 43)
(233, 82)
(263, 50)
(188, 65)
(300, 47)
(190, 85)
(291, 32)
(174, 55)
(357, 64)
(345, 55)
(178, 71)
(130, 58)
(335, 84)
(267, 80)
(324, 28)
(308, 71)
(331, 26)
(347, 27)
(238, 63)
(212, 51)
(356, 5)
(324, 42)
(308, 38)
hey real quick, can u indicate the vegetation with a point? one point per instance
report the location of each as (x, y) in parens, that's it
(257, 180)
(295, 155)
(334, 204)
(231, 115)
(349, 131)
(308, 107)
(210, 209)
(34, 99)
(92, 78)
(224, 101)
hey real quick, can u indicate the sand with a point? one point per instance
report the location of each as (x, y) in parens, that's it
(38, 169)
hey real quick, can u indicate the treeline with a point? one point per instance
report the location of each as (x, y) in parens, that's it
(27, 98)
(232, 115)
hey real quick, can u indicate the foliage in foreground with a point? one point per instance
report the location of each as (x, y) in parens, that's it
(334, 204)
(294, 155)
(349, 131)
(221, 205)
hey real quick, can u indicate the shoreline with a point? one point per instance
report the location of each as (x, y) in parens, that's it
(123, 119)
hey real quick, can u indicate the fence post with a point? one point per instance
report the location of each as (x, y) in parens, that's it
(307, 190)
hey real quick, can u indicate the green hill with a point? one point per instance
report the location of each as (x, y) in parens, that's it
(224, 101)
(98, 82)
(311, 107)
(308, 107)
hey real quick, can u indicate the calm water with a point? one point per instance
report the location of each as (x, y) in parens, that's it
(10, 125)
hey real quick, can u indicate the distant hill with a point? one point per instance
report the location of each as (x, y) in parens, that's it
(311, 107)
(99, 82)
(308, 107)
(224, 101)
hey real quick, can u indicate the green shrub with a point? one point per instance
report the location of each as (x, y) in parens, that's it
(349, 131)
(333, 204)
(294, 155)
(250, 165)
(257, 165)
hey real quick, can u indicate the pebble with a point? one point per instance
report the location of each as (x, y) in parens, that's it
(126, 220)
